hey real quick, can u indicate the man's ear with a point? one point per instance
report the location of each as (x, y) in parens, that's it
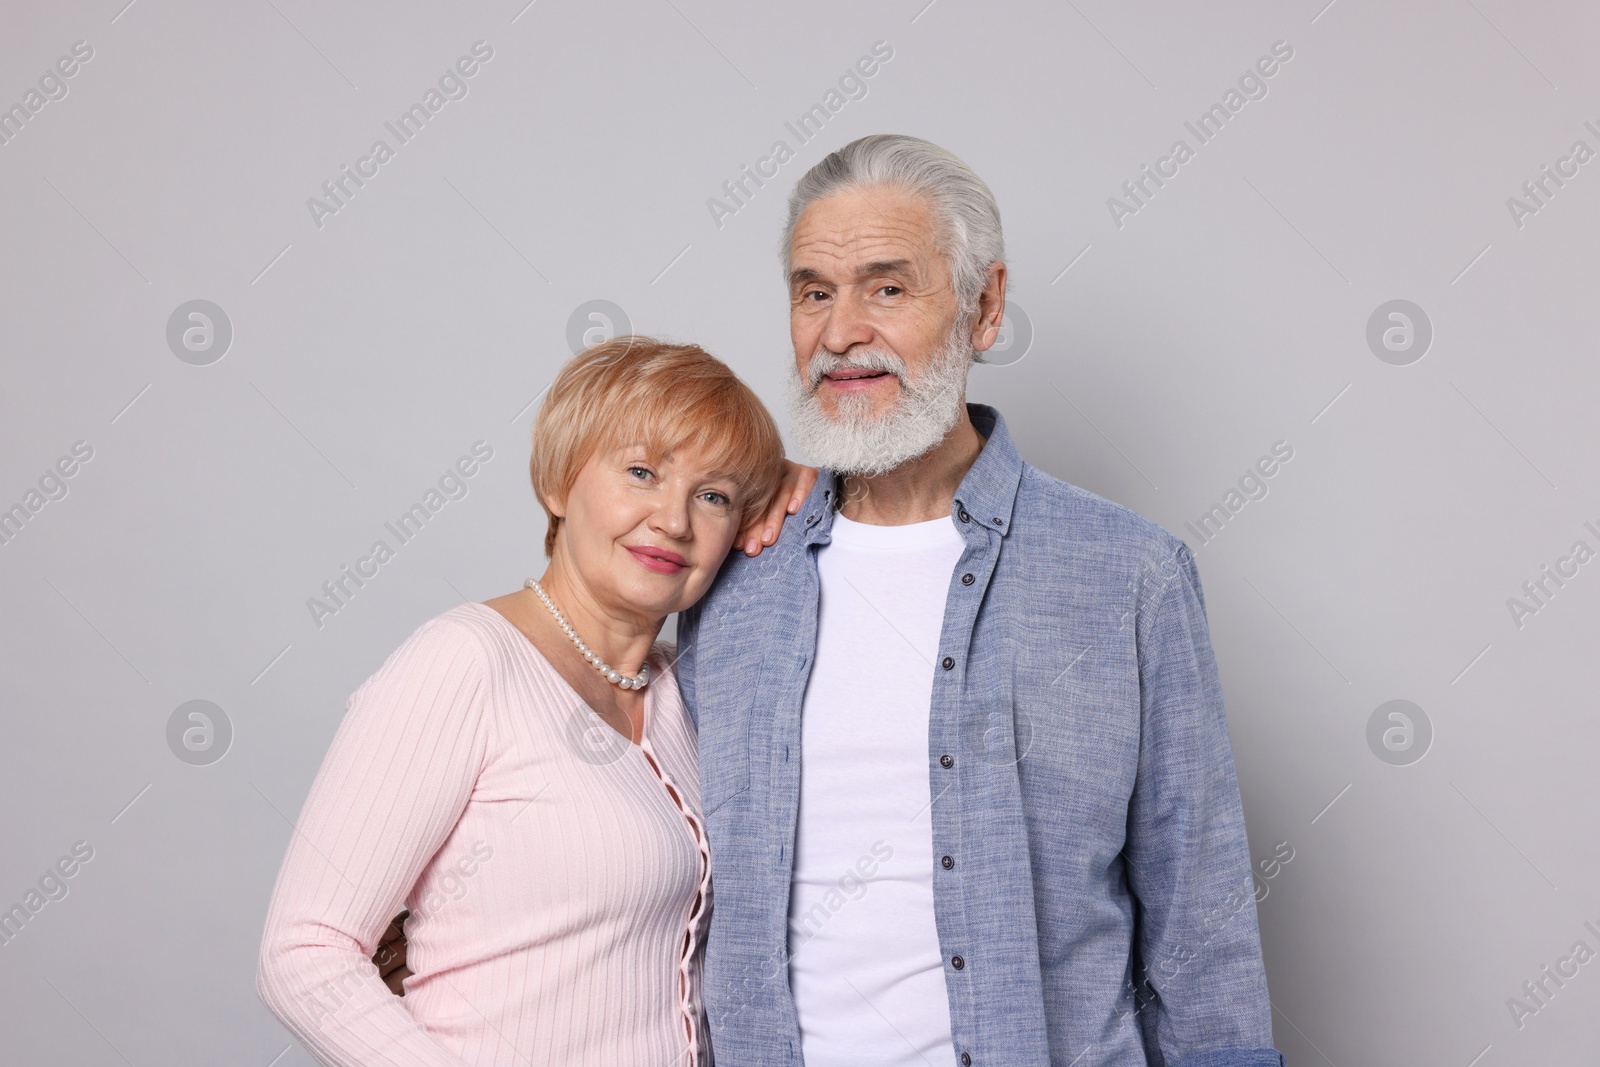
(991, 309)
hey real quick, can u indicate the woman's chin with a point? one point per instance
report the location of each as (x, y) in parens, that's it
(659, 597)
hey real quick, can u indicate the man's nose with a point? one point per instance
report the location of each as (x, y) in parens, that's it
(847, 324)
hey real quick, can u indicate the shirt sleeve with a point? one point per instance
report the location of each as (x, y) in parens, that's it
(391, 789)
(1202, 987)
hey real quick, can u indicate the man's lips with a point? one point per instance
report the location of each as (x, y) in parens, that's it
(855, 379)
(659, 560)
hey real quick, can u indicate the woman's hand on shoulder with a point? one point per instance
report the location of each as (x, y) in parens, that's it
(792, 492)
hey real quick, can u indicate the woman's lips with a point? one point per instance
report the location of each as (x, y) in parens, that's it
(658, 559)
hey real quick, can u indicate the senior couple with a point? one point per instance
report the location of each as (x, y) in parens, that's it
(938, 772)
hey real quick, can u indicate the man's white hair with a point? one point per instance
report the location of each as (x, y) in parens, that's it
(966, 217)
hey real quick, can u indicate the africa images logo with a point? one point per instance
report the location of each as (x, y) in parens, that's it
(851, 85)
(1205, 128)
(452, 85)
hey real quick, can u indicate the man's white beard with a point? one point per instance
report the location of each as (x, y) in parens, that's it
(857, 442)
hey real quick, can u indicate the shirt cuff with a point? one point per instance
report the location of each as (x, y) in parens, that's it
(1234, 1057)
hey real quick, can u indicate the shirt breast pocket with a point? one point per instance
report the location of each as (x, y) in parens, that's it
(726, 752)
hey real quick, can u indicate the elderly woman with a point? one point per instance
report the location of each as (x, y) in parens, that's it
(520, 773)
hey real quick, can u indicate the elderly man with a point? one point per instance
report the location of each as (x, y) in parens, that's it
(965, 768)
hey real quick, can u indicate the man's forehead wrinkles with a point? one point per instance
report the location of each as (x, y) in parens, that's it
(853, 251)
(878, 231)
(861, 229)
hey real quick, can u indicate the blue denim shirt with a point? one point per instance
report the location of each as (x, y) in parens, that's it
(1100, 908)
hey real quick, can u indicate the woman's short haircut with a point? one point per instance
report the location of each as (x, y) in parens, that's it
(665, 396)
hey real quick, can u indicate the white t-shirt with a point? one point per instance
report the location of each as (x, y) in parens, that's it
(865, 965)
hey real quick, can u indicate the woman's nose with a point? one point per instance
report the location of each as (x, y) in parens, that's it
(672, 518)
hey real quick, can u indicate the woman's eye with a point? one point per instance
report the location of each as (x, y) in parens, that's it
(640, 471)
(718, 499)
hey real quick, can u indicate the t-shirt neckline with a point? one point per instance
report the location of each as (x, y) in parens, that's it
(940, 531)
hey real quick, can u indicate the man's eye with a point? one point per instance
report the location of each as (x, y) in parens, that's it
(891, 290)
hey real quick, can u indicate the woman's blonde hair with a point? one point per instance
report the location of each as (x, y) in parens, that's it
(665, 396)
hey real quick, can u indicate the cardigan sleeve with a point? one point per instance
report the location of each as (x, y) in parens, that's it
(392, 787)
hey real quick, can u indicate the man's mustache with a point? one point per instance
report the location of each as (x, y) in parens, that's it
(825, 362)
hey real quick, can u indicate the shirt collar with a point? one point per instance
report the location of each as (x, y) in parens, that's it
(986, 495)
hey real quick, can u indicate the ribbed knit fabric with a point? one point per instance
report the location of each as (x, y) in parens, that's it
(557, 875)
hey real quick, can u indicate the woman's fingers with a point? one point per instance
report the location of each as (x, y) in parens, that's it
(765, 529)
(805, 478)
(792, 492)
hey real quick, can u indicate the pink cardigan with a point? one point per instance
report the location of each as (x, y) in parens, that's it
(557, 875)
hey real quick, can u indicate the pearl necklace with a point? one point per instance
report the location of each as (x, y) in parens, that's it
(611, 674)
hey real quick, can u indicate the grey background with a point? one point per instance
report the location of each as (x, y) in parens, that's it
(1167, 356)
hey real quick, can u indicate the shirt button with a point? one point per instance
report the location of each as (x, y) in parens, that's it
(999, 522)
(962, 515)
(957, 962)
(966, 1059)
(947, 762)
(967, 579)
(947, 663)
(946, 862)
